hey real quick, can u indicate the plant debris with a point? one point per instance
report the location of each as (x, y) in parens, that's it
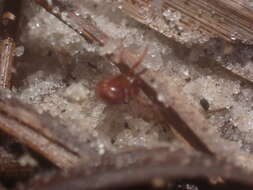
(187, 94)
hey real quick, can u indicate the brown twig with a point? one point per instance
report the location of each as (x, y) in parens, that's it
(183, 118)
(42, 133)
(174, 112)
(82, 26)
(7, 50)
(8, 26)
(228, 20)
(142, 167)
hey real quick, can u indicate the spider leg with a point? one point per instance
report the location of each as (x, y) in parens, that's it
(134, 90)
(121, 53)
(138, 62)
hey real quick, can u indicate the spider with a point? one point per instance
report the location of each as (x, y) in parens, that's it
(120, 88)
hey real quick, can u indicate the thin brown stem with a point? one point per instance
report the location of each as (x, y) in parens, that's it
(7, 51)
(42, 133)
(8, 27)
(83, 26)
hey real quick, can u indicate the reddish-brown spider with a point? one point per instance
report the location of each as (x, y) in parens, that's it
(120, 88)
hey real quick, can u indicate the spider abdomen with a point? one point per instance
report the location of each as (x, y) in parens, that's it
(116, 90)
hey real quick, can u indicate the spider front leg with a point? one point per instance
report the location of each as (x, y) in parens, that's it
(139, 61)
